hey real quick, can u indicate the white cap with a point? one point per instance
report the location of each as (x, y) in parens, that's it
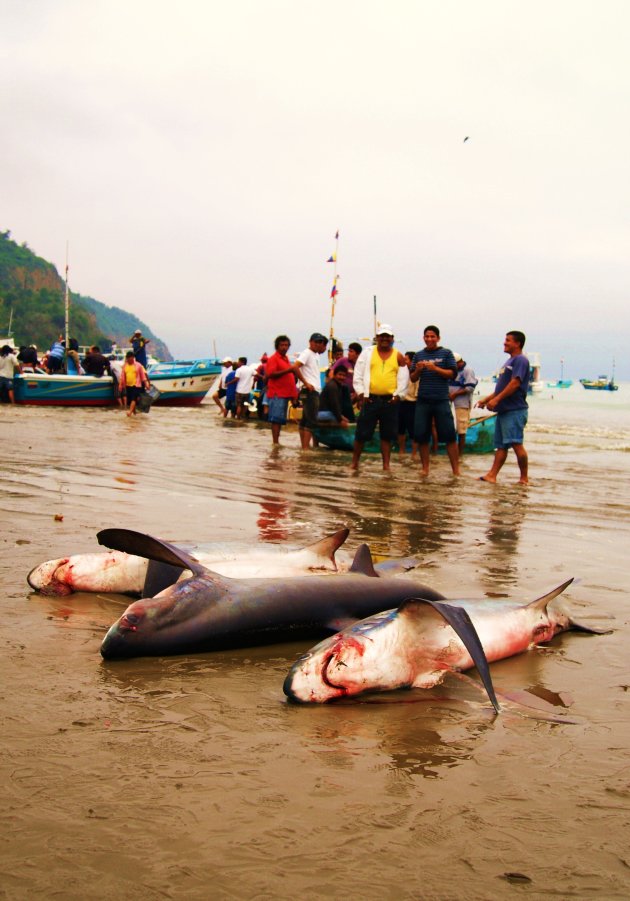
(385, 329)
(458, 358)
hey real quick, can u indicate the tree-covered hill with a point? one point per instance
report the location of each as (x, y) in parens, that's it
(32, 297)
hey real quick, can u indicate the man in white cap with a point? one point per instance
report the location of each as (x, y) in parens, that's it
(138, 342)
(219, 394)
(461, 390)
(380, 380)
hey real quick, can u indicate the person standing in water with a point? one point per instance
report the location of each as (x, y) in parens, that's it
(510, 402)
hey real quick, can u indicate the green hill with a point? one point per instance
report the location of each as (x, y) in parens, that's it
(32, 297)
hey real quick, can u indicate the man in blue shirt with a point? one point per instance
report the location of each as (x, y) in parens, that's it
(509, 400)
(435, 367)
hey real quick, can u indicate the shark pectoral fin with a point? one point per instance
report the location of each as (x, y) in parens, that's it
(581, 625)
(462, 625)
(530, 706)
(159, 576)
(327, 547)
(394, 567)
(363, 563)
(152, 548)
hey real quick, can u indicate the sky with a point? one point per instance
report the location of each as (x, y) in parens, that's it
(199, 157)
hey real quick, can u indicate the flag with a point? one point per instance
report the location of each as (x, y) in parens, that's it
(333, 293)
(337, 236)
(332, 259)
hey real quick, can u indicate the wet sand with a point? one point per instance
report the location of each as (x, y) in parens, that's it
(190, 777)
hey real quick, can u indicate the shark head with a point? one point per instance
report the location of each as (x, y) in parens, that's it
(155, 625)
(348, 663)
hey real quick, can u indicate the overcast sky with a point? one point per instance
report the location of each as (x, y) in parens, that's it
(199, 157)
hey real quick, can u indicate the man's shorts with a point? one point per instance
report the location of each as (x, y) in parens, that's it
(381, 411)
(241, 399)
(509, 427)
(462, 418)
(310, 409)
(406, 416)
(426, 412)
(278, 407)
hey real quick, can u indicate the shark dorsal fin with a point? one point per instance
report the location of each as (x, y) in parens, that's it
(327, 547)
(147, 546)
(362, 562)
(542, 602)
(461, 623)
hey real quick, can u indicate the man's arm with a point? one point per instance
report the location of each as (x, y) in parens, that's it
(492, 400)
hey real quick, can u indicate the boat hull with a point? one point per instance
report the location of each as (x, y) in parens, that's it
(598, 385)
(479, 438)
(183, 383)
(40, 389)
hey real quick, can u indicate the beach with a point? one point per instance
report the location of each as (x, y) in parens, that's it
(192, 777)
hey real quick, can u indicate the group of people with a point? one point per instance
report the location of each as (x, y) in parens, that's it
(130, 375)
(425, 397)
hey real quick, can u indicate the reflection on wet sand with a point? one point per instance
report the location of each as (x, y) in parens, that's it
(506, 515)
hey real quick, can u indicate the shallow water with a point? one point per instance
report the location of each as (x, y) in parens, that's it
(191, 777)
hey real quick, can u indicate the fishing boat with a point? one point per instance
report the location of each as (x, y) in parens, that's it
(561, 382)
(183, 383)
(479, 437)
(601, 383)
(42, 389)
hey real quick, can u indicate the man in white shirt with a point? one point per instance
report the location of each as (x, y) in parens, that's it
(244, 384)
(308, 370)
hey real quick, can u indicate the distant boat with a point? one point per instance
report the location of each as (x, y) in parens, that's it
(562, 382)
(602, 383)
(479, 437)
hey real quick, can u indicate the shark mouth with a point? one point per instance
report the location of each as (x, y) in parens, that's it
(340, 689)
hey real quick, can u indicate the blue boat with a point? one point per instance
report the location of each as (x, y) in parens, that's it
(184, 383)
(603, 383)
(479, 438)
(42, 389)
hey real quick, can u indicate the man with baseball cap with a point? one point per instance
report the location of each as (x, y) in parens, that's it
(219, 394)
(307, 367)
(461, 393)
(380, 380)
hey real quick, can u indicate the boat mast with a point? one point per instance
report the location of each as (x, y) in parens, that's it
(333, 297)
(375, 317)
(67, 304)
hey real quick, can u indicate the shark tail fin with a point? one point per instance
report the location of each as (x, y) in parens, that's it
(363, 562)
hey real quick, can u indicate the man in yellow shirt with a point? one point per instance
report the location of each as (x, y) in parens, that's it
(380, 380)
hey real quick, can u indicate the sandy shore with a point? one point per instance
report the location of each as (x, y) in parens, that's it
(191, 777)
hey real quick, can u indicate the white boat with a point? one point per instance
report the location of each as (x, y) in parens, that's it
(536, 383)
(184, 383)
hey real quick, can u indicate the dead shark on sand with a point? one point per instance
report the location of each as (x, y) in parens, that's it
(415, 645)
(209, 610)
(128, 573)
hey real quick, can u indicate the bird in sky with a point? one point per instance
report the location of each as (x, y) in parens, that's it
(465, 139)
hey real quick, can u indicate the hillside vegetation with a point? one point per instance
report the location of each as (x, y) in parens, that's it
(33, 291)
